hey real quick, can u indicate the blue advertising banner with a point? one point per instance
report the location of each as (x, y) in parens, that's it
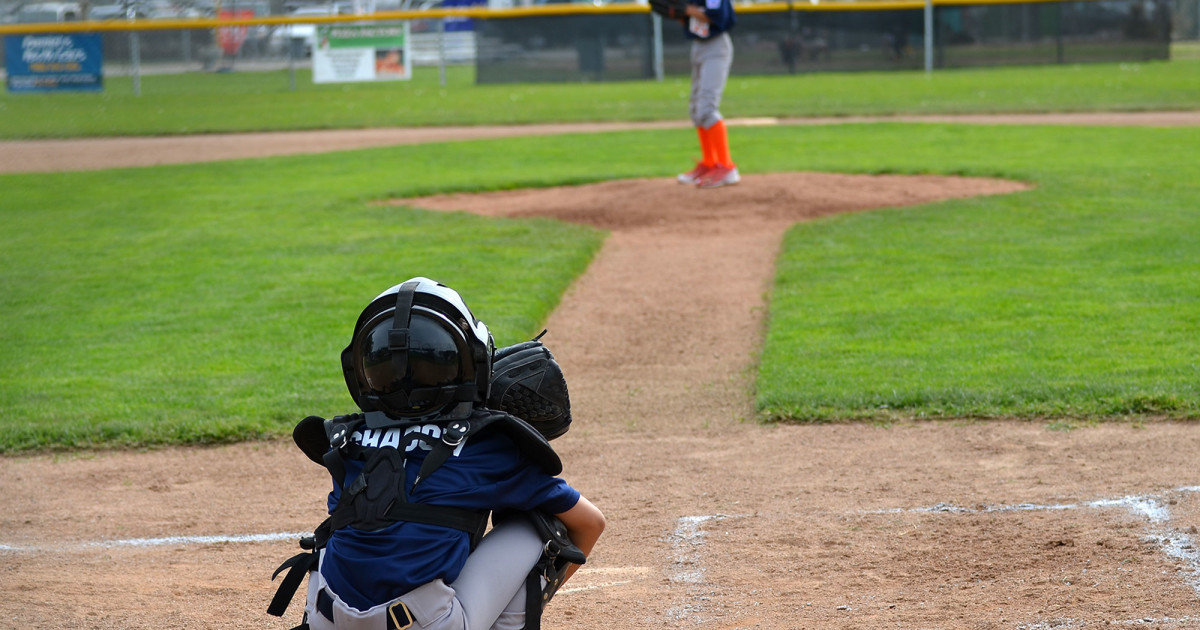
(52, 62)
(458, 24)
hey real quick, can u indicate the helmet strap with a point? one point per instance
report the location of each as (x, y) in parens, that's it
(398, 335)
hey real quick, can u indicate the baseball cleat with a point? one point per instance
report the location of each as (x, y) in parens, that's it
(719, 176)
(693, 176)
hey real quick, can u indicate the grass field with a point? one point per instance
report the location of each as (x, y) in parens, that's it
(209, 302)
(203, 103)
(1077, 299)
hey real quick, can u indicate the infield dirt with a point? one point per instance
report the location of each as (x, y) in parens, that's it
(715, 521)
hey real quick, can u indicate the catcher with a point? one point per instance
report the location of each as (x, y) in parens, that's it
(436, 448)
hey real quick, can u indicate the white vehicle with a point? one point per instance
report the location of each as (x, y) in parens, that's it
(49, 12)
(113, 12)
(302, 38)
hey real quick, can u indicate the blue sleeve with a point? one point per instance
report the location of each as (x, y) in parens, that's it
(510, 481)
(534, 489)
(720, 14)
(492, 474)
(562, 502)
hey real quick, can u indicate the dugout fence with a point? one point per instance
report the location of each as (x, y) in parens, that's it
(584, 42)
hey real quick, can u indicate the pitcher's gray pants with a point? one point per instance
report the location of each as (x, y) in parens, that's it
(489, 594)
(711, 59)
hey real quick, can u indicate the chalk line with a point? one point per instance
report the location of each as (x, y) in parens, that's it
(592, 587)
(687, 568)
(589, 572)
(156, 542)
(272, 537)
(1175, 544)
(686, 542)
(1068, 623)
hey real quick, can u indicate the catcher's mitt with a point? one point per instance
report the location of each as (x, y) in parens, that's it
(528, 383)
(670, 9)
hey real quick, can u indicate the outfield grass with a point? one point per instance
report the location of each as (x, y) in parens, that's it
(203, 103)
(209, 302)
(1079, 299)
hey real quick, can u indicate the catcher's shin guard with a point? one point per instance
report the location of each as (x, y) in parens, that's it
(549, 573)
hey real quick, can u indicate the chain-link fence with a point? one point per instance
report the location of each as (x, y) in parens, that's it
(622, 47)
(1185, 20)
(626, 42)
(266, 46)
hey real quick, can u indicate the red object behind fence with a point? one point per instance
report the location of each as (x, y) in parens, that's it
(231, 38)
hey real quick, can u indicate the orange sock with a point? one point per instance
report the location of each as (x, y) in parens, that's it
(719, 139)
(707, 150)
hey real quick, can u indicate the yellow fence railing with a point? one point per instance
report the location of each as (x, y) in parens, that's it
(470, 12)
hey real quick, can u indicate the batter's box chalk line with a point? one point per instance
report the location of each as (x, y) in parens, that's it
(1178, 546)
(1068, 623)
(608, 577)
(687, 568)
(688, 540)
(154, 542)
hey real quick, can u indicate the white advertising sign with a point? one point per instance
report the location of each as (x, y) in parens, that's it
(361, 52)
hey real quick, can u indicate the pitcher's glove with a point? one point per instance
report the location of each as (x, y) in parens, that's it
(528, 383)
(670, 9)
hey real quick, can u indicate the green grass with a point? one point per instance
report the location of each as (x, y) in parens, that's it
(243, 101)
(1080, 298)
(210, 303)
(207, 303)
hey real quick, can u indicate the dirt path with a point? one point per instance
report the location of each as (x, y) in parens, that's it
(715, 522)
(30, 156)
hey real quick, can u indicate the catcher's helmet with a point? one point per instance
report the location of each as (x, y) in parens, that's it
(416, 351)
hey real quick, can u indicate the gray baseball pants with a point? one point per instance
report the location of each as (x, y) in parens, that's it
(711, 59)
(489, 594)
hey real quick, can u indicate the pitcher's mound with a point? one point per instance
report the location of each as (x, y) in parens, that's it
(776, 197)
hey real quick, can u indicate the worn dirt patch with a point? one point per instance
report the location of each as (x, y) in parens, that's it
(35, 156)
(714, 523)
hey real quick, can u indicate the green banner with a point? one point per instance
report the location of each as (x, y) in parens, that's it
(362, 35)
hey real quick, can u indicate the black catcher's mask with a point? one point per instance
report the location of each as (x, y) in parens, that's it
(416, 351)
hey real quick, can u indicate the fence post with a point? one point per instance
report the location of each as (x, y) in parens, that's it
(928, 36)
(442, 51)
(657, 44)
(1058, 28)
(291, 48)
(135, 59)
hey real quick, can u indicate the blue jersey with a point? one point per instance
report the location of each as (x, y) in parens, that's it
(721, 19)
(486, 472)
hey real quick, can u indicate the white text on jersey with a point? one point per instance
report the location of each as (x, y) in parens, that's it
(379, 438)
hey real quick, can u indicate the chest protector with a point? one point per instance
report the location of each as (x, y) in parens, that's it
(377, 497)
